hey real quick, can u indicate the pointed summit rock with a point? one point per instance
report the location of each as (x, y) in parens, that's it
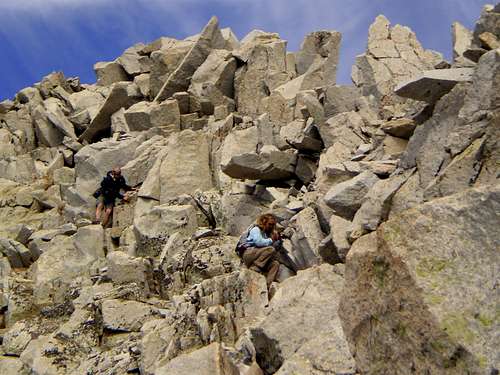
(180, 78)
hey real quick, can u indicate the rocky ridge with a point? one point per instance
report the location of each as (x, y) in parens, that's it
(387, 192)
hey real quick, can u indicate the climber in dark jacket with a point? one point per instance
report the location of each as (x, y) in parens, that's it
(111, 185)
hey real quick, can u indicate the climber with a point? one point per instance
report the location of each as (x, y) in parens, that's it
(109, 190)
(259, 248)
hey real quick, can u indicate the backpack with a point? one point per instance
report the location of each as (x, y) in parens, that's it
(242, 244)
(97, 193)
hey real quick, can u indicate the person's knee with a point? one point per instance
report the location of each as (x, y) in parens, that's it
(269, 250)
(109, 210)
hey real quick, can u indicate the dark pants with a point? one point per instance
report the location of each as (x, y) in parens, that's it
(264, 260)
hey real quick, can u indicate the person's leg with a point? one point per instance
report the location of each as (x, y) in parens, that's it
(98, 211)
(249, 256)
(265, 255)
(273, 269)
(107, 215)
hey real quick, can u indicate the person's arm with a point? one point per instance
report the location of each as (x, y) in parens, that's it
(255, 238)
(124, 185)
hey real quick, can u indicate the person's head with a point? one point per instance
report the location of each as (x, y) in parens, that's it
(266, 222)
(116, 172)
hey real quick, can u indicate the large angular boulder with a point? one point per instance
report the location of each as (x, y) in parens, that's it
(239, 210)
(265, 70)
(133, 62)
(306, 239)
(318, 59)
(17, 254)
(346, 198)
(55, 270)
(20, 123)
(165, 58)
(124, 269)
(489, 22)
(12, 366)
(462, 41)
(125, 316)
(153, 228)
(339, 99)
(235, 143)
(146, 115)
(210, 360)
(214, 78)
(108, 73)
(428, 300)
(302, 136)
(145, 156)
(179, 79)
(269, 164)
(182, 167)
(431, 85)
(343, 129)
(302, 330)
(122, 95)
(376, 205)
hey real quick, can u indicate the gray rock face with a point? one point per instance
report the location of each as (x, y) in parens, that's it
(301, 136)
(488, 22)
(124, 269)
(265, 70)
(346, 198)
(165, 60)
(181, 168)
(425, 148)
(214, 78)
(153, 228)
(179, 79)
(343, 132)
(339, 233)
(302, 330)
(398, 263)
(125, 315)
(17, 254)
(318, 58)
(393, 55)
(462, 39)
(431, 85)
(306, 239)
(109, 72)
(270, 164)
(122, 95)
(402, 128)
(376, 205)
(340, 99)
(145, 115)
(210, 360)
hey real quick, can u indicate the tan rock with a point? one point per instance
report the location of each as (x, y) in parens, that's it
(179, 79)
(397, 263)
(210, 360)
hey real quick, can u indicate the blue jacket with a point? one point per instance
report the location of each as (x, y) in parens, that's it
(257, 238)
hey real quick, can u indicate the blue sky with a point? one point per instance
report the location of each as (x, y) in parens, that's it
(40, 36)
